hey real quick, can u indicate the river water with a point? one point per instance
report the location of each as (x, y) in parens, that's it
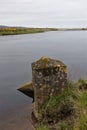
(16, 55)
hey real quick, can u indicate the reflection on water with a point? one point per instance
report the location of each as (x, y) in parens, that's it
(17, 53)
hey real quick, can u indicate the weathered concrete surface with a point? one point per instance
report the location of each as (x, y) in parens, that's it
(49, 77)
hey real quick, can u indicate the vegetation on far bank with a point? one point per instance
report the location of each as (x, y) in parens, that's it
(15, 30)
(68, 110)
(22, 30)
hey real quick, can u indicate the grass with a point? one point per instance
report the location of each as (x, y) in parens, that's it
(83, 99)
(16, 31)
(60, 108)
(68, 110)
(65, 95)
(83, 122)
(42, 127)
(64, 126)
(82, 103)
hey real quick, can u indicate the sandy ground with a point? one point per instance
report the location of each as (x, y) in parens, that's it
(19, 120)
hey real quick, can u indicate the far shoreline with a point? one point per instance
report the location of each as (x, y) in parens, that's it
(5, 30)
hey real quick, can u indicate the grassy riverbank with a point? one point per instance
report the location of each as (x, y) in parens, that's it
(16, 30)
(67, 111)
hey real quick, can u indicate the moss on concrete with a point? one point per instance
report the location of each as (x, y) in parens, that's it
(27, 89)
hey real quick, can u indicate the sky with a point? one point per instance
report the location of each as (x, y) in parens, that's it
(44, 13)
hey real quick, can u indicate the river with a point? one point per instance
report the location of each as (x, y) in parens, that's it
(17, 52)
